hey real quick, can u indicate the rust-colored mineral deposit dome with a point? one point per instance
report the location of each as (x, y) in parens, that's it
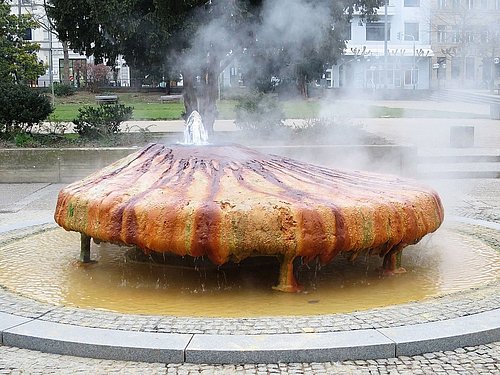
(230, 202)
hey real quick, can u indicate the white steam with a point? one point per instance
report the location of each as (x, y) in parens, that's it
(294, 22)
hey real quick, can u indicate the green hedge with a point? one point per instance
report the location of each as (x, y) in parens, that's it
(21, 107)
(101, 121)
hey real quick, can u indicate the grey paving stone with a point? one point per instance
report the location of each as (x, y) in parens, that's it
(8, 321)
(306, 347)
(97, 343)
(449, 334)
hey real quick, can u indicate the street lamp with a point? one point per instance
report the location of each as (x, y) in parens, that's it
(386, 27)
(51, 66)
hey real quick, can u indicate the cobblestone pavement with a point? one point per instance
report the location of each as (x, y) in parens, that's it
(472, 198)
(483, 359)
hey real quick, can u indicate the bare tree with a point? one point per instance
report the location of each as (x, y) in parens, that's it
(45, 23)
(465, 31)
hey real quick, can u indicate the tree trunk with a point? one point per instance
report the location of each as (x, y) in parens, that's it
(302, 83)
(65, 72)
(203, 100)
(208, 101)
(189, 93)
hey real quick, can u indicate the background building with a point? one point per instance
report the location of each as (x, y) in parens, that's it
(404, 27)
(466, 42)
(52, 51)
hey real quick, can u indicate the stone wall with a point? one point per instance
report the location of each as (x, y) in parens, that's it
(70, 164)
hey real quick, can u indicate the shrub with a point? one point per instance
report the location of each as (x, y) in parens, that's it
(101, 121)
(24, 140)
(21, 108)
(63, 90)
(329, 130)
(259, 113)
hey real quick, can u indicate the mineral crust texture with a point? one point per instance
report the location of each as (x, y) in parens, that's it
(230, 202)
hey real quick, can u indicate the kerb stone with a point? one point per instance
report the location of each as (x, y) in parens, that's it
(477, 329)
(8, 321)
(307, 347)
(97, 342)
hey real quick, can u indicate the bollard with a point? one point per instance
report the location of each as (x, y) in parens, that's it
(462, 136)
(495, 111)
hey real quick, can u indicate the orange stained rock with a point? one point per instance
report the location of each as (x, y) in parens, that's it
(230, 202)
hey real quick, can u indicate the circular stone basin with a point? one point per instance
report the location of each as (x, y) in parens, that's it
(44, 266)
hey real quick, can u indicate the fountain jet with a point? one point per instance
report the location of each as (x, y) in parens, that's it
(194, 131)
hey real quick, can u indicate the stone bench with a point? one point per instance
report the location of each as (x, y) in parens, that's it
(106, 99)
(170, 98)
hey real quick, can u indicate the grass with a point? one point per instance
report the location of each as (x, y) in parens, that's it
(157, 111)
(147, 106)
(301, 108)
(226, 109)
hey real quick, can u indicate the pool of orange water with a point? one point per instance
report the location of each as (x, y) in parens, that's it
(44, 266)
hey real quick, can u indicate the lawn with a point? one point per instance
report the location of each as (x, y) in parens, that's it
(147, 106)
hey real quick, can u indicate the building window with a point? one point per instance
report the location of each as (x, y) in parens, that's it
(441, 72)
(397, 78)
(347, 31)
(412, 3)
(469, 68)
(468, 37)
(411, 31)
(456, 65)
(455, 35)
(375, 31)
(26, 2)
(442, 4)
(484, 37)
(28, 34)
(441, 34)
(469, 4)
(77, 71)
(411, 76)
(456, 4)
(484, 4)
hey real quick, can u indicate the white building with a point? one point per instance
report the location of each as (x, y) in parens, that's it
(51, 49)
(406, 64)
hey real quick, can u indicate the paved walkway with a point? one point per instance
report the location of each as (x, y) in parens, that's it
(483, 359)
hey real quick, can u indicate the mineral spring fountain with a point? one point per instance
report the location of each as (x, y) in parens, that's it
(228, 203)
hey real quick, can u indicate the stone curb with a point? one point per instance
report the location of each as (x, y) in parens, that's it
(79, 341)
(35, 334)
